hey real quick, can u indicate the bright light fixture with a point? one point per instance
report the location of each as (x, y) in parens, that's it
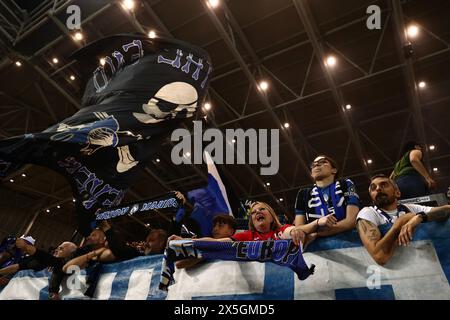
(263, 85)
(152, 34)
(213, 3)
(412, 31)
(207, 106)
(331, 61)
(128, 4)
(78, 36)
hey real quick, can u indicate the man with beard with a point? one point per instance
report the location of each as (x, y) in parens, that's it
(387, 211)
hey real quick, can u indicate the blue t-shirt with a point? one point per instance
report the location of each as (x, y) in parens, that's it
(327, 200)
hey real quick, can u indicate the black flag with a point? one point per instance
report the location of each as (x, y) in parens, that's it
(144, 89)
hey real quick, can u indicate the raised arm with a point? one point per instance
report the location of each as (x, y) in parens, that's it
(41, 256)
(82, 261)
(415, 157)
(392, 175)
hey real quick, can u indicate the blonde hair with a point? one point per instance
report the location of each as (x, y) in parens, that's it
(276, 224)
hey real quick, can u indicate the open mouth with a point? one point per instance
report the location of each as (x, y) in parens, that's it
(380, 195)
(260, 217)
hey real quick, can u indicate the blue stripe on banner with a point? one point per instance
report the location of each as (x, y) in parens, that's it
(154, 292)
(385, 292)
(124, 270)
(442, 247)
(43, 294)
(120, 285)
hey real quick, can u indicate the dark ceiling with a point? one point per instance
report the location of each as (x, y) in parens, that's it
(284, 42)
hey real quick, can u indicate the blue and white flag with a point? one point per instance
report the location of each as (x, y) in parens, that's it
(281, 252)
(211, 200)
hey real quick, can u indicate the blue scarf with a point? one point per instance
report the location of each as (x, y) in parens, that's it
(322, 207)
(281, 252)
(400, 209)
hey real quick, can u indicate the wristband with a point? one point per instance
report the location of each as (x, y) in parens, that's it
(423, 215)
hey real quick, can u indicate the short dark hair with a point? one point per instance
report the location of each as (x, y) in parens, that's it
(410, 145)
(227, 219)
(381, 175)
(378, 175)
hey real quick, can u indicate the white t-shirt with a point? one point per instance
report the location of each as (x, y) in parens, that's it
(372, 215)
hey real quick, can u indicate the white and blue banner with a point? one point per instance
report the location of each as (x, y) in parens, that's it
(344, 270)
(135, 279)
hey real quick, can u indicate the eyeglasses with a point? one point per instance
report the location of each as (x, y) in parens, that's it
(319, 163)
(258, 210)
